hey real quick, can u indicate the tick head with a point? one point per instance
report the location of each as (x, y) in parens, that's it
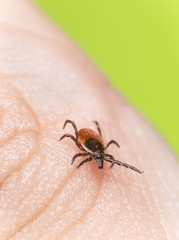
(99, 162)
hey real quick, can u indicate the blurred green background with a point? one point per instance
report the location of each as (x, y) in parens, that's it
(136, 44)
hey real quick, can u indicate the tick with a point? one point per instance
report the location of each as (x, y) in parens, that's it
(91, 143)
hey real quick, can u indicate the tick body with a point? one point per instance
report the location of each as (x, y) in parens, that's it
(91, 143)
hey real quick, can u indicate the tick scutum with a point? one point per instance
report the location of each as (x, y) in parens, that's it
(94, 145)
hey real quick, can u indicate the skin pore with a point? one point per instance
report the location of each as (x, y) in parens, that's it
(44, 80)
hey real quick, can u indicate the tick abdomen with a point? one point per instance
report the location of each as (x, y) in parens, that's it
(94, 145)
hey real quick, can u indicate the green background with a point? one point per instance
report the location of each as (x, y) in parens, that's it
(136, 44)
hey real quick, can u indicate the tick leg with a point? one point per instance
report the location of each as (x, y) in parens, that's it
(74, 139)
(78, 155)
(74, 126)
(123, 164)
(85, 161)
(109, 143)
(109, 155)
(98, 127)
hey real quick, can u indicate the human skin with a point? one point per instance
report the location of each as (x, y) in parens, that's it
(44, 80)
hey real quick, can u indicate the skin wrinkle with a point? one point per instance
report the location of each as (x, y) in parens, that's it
(114, 185)
(60, 235)
(40, 211)
(66, 230)
(21, 163)
(15, 133)
(10, 138)
(30, 32)
(25, 104)
(57, 192)
(29, 108)
(95, 210)
(31, 219)
(37, 169)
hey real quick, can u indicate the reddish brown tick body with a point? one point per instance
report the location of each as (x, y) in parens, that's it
(92, 144)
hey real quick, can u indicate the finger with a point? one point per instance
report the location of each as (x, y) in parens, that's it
(44, 197)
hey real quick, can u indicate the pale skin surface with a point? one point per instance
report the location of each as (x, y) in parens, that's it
(44, 80)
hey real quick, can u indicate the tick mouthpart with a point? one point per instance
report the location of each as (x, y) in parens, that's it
(99, 162)
(98, 155)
